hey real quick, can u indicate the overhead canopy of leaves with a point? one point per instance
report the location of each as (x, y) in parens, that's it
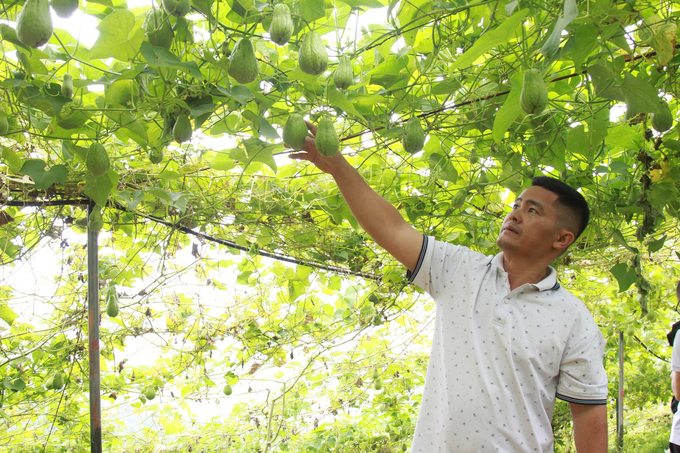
(457, 66)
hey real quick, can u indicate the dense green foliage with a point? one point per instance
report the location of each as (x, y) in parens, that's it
(234, 265)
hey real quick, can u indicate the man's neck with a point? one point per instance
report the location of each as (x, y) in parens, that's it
(522, 271)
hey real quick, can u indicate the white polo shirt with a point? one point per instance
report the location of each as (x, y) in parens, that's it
(675, 366)
(499, 357)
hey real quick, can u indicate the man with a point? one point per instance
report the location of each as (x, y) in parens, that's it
(508, 338)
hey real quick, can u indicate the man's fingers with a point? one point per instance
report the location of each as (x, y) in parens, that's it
(299, 156)
(311, 127)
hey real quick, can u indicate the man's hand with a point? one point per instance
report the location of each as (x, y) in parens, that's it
(376, 215)
(309, 153)
(590, 427)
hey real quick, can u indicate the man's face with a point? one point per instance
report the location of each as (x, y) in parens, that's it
(529, 228)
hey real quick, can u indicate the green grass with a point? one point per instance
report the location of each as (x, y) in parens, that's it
(645, 431)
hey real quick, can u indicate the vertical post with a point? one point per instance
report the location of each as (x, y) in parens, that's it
(619, 400)
(93, 336)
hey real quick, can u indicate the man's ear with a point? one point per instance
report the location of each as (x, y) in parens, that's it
(564, 239)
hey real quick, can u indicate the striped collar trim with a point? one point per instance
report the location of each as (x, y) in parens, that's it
(549, 283)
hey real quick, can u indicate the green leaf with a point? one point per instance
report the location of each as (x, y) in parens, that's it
(254, 150)
(162, 57)
(358, 4)
(108, 3)
(173, 427)
(552, 44)
(664, 42)
(99, 187)
(639, 95)
(509, 112)
(7, 314)
(240, 93)
(73, 149)
(339, 100)
(177, 199)
(266, 129)
(656, 245)
(625, 276)
(583, 43)
(491, 39)
(13, 161)
(131, 200)
(446, 87)
(578, 141)
(311, 10)
(118, 37)
(222, 162)
(74, 120)
(442, 168)
(617, 236)
(16, 384)
(35, 168)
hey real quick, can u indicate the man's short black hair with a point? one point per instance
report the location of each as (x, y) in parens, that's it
(570, 198)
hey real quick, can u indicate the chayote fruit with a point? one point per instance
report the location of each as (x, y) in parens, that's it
(663, 120)
(182, 129)
(158, 29)
(243, 63)
(67, 86)
(150, 393)
(413, 138)
(95, 220)
(112, 302)
(97, 160)
(65, 8)
(155, 155)
(534, 96)
(343, 76)
(458, 199)
(295, 131)
(57, 381)
(326, 139)
(34, 23)
(281, 27)
(313, 57)
(227, 389)
(177, 8)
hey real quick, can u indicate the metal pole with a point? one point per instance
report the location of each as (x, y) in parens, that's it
(619, 400)
(93, 336)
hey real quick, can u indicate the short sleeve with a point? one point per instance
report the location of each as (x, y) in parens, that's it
(442, 266)
(582, 378)
(675, 357)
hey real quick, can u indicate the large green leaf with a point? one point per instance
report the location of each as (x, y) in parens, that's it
(625, 276)
(35, 168)
(118, 37)
(489, 40)
(162, 57)
(552, 44)
(7, 314)
(509, 112)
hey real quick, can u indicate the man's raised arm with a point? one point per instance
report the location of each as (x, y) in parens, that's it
(376, 215)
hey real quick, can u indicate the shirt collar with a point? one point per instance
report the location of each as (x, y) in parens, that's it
(548, 283)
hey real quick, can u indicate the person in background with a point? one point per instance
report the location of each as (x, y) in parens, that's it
(508, 339)
(675, 385)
